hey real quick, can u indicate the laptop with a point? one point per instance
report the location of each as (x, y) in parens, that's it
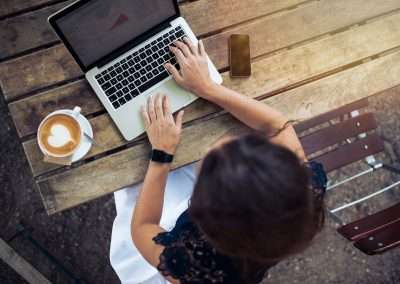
(122, 47)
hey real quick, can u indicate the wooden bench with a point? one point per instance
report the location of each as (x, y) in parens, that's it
(344, 136)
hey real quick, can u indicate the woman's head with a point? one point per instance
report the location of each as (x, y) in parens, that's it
(252, 200)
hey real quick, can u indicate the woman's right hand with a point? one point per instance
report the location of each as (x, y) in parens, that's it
(193, 75)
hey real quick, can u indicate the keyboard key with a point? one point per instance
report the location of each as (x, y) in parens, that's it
(104, 72)
(154, 64)
(134, 93)
(131, 79)
(129, 57)
(131, 70)
(160, 61)
(97, 76)
(148, 52)
(171, 32)
(177, 66)
(172, 38)
(128, 97)
(111, 91)
(107, 77)
(125, 66)
(136, 75)
(155, 72)
(135, 53)
(141, 50)
(143, 63)
(143, 79)
(136, 59)
(118, 86)
(120, 77)
(148, 68)
(142, 55)
(114, 81)
(161, 69)
(125, 82)
(125, 90)
(154, 42)
(113, 73)
(153, 81)
(142, 71)
(119, 70)
(122, 101)
(123, 61)
(120, 94)
(159, 39)
(166, 57)
(131, 63)
(137, 83)
(165, 35)
(147, 46)
(115, 104)
(131, 86)
(117, 64)
(149, 75)
(154, 48)
(155, 56)
(113, 98)
(178, 28)
(180, 33)
(126, 73)
(173, 60)
(160, 45)
(137, 66)
(106, 86)
(166, 41)
(101, 81)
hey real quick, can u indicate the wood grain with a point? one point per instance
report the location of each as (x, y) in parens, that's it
(31, 30)
(8, 7)
(20, 265)
(267, 35)
(27, 31)
(111, 173)
(269, 75)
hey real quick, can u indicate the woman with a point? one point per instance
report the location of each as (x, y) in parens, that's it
(256, 199)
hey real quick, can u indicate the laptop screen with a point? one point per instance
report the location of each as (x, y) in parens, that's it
(99, 27)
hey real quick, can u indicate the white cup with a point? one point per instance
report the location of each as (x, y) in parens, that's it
(75, 113)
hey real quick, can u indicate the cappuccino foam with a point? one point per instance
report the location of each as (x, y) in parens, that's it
(60, 135)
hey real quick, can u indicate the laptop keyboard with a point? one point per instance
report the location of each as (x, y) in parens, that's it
(139, 71)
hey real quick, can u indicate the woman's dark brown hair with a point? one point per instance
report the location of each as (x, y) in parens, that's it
(253, 200)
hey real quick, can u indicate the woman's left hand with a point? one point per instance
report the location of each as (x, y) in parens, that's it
(163, 131)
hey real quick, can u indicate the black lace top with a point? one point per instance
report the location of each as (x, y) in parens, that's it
(190, 258)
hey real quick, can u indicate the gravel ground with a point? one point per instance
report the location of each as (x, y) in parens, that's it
(80, 238)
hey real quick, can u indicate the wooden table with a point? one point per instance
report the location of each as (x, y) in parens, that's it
(308, 57)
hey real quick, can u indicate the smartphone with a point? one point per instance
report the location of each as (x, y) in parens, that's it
(239, 55)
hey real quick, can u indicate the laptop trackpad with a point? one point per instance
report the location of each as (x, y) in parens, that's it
(178, 97)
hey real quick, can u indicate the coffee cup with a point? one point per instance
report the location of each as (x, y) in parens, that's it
(60, 134)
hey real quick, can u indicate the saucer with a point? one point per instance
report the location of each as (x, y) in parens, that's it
(86, 145)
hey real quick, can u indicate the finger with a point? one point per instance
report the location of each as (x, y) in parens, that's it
(145, 115)
(183, 47)
(202, 50)
(179, 119)
(150, 109)
(178, 54)
(192, 47)
(159, 107)
(167, 109)
(174, 72)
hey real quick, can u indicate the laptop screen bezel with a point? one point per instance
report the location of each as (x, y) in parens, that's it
(114, 53)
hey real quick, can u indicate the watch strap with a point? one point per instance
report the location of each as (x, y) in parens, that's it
(160, 156)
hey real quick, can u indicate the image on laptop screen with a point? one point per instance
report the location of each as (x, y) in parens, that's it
(101, 26)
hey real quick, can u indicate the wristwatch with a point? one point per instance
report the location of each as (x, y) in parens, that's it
(160, 156)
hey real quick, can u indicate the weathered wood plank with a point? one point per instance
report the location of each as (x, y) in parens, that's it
(20, 265)
(26, 31)
(31, 30)
(14, 6)
(108, 174)
(269, 75)
(268, 34)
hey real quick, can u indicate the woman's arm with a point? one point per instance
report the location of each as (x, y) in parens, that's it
(194, 76)
(164, 134)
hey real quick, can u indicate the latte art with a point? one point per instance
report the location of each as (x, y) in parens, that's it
(60, 135)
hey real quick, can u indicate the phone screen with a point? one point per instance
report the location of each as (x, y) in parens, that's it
(239, 55)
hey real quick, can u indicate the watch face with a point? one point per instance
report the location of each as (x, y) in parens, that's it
(161, 156)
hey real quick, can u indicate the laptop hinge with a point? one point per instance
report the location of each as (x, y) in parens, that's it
(115, 54)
